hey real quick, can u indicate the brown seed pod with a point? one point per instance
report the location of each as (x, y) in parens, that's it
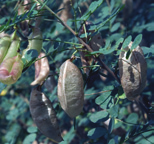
(70, 89)
(44, 115)
(41, 69)
(133, 71)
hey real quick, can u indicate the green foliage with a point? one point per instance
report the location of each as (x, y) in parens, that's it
(106, 109)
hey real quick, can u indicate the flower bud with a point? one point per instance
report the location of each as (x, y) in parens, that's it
(11, 70)
(133, 71)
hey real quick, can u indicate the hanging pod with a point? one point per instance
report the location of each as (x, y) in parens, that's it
(44, 115)
(41, 69)
(133, 71)
(35, 41)
(4, 46)
(70, 89)
(11, 69)
(14, 47)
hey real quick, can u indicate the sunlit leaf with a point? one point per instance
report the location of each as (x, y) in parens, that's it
(99, 116)
(96, 132)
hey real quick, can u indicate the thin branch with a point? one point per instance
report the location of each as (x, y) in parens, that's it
(81, 41)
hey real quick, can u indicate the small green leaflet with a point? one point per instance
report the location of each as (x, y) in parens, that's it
(136, 41)
(94, 5)
(96, 132)
(2, 86)
(127, 41)
(99, 116)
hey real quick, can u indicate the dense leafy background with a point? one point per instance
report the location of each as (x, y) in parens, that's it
(107, 117)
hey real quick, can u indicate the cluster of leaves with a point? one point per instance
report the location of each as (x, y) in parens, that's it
(107, 116)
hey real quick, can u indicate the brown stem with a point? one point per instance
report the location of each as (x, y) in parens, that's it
(81, 41)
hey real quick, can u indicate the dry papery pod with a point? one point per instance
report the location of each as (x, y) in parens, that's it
(44, 115)
(95, 43)
(70, 89)
(133, 71)
(41, 69)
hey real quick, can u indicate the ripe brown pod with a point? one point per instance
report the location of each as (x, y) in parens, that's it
(44, 115)
(42, 69)
(70, 89)
(133, 72)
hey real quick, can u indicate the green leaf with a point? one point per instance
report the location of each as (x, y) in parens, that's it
(29, 139)
(101, 115)
(93, 6)
(132, 118)
(115, 27)
(2, 86)
(96, 132)
(32, 129)
(127, 41)
(70, 135)
(111, 125)
(109, 18)
(108, 103)
(102, 98)
(148, 52)
(128, 54)
(29, 57)
(136, 41)
(12, 133)
(106, 100)
(112, 4)
(114, 111)
(111, 141)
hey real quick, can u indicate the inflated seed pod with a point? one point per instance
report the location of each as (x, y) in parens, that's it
(44, 115)
(11, 70)
(14, 47)
(4, 46)
(70, 89)
(133, 72)
(35, 40)
(41, 69)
